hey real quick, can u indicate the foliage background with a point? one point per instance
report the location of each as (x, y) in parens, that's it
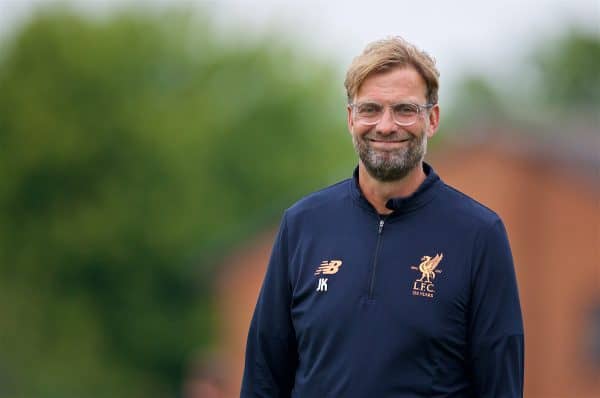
(131, 150)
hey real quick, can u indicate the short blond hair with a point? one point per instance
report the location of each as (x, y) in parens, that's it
(386, 54)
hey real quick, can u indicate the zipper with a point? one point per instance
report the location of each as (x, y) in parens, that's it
(379, 233)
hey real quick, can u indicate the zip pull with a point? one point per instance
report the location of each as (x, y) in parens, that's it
(381, 222)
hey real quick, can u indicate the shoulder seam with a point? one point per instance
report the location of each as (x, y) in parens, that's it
(464, 195)
(314, 194)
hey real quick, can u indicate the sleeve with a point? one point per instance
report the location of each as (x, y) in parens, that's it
(271, 353)
(496, 343)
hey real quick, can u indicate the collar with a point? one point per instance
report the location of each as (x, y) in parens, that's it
(424, 193)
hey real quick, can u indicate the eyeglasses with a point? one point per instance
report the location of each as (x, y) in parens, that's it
(403, 114)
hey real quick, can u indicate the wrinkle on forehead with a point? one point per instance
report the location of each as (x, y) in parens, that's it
(401, 84)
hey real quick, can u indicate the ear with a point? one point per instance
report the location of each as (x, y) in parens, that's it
(349, 120)
(434, 121)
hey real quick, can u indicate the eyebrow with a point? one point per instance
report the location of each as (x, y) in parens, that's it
(405, 100)
(366, 101)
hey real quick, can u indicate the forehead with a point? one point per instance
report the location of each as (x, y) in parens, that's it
(398, 84)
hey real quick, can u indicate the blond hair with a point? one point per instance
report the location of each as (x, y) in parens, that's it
(388, 53)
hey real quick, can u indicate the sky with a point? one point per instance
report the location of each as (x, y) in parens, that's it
(491, 38)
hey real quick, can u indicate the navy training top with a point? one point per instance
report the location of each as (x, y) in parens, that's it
(420, 303)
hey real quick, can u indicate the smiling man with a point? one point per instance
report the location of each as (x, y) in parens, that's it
(390, 283)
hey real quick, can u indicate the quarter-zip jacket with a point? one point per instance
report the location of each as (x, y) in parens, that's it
(420, 303)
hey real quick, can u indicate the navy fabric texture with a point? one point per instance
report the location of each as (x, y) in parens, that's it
(420, 303)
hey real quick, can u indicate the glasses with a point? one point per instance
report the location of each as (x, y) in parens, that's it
(403, 114)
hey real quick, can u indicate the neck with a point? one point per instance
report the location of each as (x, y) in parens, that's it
(379, 192)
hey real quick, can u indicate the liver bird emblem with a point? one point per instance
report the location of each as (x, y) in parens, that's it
(428, 267)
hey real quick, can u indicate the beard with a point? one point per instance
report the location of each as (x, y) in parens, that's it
(391, 165)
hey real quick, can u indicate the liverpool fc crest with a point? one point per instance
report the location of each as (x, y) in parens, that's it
(424, 285)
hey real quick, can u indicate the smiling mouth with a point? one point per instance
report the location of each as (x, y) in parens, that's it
(390, 141)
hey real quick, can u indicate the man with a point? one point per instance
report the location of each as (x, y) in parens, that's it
(390, 283)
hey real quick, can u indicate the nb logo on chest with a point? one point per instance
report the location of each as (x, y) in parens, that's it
(326, 268)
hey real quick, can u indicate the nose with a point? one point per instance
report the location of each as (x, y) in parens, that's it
(386, 125)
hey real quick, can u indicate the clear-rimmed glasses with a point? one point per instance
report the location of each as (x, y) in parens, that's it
(403, 114)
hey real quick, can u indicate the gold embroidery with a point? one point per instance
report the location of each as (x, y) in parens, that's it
(428, 267)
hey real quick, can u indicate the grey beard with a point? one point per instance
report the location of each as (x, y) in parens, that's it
(391, 166)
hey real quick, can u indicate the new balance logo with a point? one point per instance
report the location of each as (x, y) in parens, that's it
(322, 286)
(326, 268)
(329, 267)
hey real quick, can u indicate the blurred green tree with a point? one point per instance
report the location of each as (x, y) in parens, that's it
(476, 101)
(568, 71)
(130, 147)
(558, 84)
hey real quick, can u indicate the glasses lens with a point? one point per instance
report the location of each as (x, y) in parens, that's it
(405, 114)
(369, 112)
